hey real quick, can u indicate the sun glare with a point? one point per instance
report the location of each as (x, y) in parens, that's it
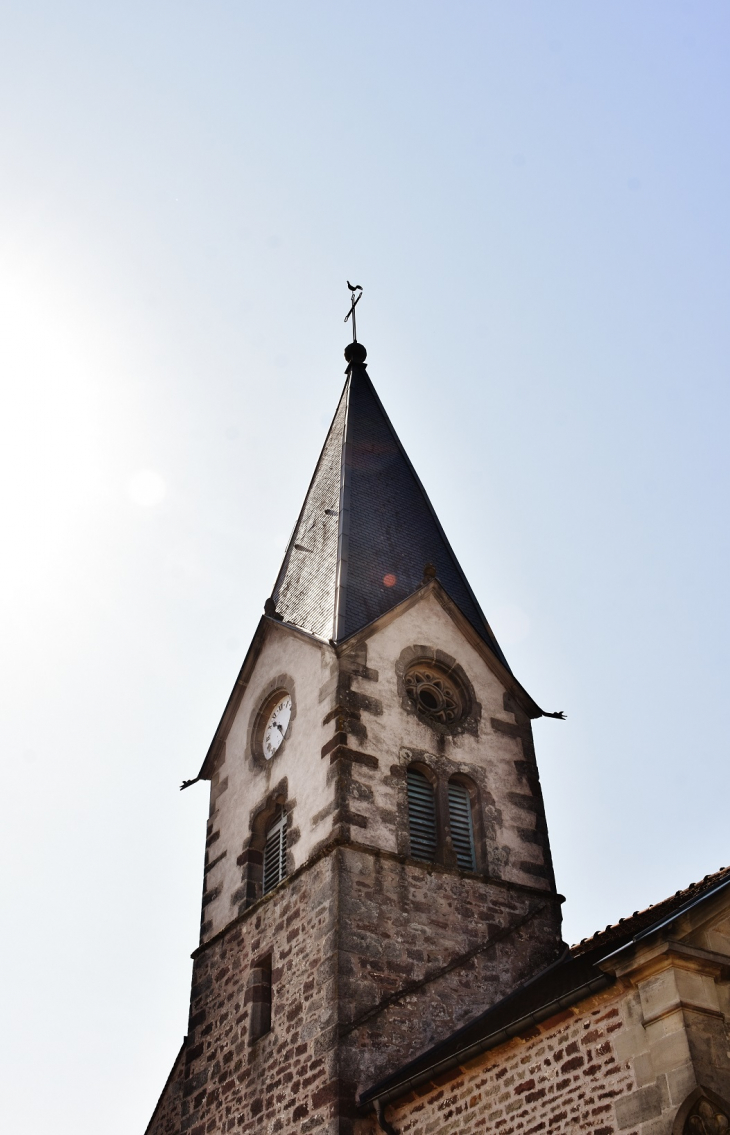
(62, 432)
(146, 488)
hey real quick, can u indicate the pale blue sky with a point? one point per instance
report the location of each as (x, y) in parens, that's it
(535, 198)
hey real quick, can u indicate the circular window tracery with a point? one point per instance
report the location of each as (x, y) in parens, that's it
(435, 695)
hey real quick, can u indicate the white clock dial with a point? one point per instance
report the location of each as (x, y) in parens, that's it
(277, 726)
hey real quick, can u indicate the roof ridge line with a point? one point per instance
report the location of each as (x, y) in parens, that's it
(343, 518)
(281, 575)
(667, 919)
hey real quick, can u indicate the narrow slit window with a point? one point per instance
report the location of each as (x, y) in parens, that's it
(421, 815)
(258, 996)
(275, 853)
(461, 826)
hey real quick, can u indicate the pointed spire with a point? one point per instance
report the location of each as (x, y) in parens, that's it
(367, 536)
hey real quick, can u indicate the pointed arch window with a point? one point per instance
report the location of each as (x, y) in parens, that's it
(421, 815)
(461, 825)
(275, 852)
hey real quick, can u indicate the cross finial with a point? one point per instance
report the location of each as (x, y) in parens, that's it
(355, 299)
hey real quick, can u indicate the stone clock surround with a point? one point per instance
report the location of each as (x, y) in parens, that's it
(282, 682)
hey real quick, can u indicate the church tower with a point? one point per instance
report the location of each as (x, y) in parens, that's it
(377, 867)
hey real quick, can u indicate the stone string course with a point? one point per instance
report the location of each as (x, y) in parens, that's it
(563, 1077)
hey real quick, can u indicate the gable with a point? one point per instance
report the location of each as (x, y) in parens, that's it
(428, 624)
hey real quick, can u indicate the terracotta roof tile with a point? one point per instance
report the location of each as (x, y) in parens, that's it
(627, 928)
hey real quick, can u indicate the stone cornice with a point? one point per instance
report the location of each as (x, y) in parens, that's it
(333, 845)
(663, 955)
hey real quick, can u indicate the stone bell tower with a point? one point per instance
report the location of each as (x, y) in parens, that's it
(377, 866)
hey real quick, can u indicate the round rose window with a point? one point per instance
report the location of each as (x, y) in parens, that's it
(435, 695)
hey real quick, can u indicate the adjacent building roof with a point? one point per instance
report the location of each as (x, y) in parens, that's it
(366, 530)
(556, 987)
(576, 974)
(643, 922)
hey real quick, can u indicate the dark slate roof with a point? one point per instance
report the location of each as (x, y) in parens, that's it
(575, 975)
(366, 530)
(304, 593)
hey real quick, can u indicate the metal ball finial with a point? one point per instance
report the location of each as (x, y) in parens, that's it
(355, 353)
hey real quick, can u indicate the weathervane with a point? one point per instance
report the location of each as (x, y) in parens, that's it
(355, 299)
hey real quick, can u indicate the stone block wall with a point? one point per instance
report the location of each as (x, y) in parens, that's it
(341, 767)
(493, 747)
(286, 1080)
(166, 1116)
(678, 1025)
(628, 1061)
(566, 1076)
(423, 949)
(372, 957)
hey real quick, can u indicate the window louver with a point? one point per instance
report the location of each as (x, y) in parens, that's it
(275, 853)
(460, 824)
(421, 816)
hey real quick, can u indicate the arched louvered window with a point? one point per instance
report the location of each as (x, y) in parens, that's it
(275, 853)
(421, 815)
(460, 825)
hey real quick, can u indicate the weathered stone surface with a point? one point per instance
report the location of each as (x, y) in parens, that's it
(166, 1116)
(632, 1059)
(564, 1078)
(369, 965)
(641, 1105)
(375, 955)
(366, 956)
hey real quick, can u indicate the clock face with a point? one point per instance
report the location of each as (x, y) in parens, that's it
(276, 726)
